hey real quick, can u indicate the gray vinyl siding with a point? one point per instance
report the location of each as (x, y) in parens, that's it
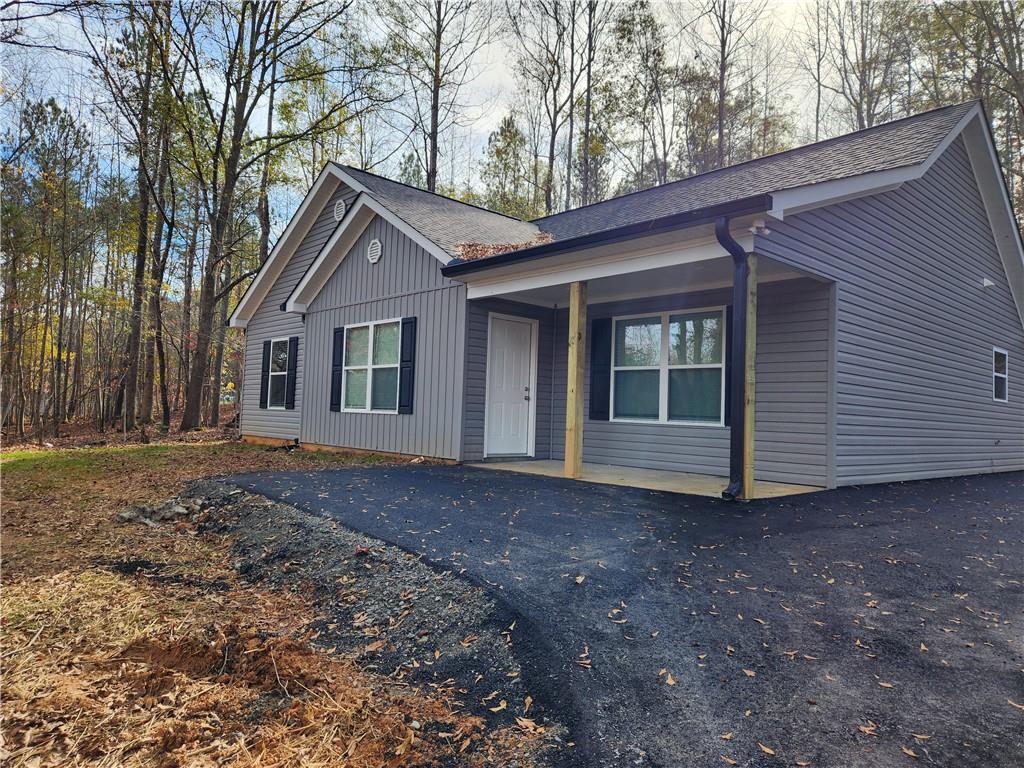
(915, 328)
(406, 282)
(269, 322)
(477, 314)
(791, 395)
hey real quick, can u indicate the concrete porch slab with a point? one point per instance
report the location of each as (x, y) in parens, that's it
(651, 479)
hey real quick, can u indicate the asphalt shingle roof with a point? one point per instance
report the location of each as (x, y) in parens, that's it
(450, 223)
(444, 221)
(891, 145)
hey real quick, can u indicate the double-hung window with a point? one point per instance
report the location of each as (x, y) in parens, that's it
(1000, 375)
(669, 367)
(371, 366)
(278, 381)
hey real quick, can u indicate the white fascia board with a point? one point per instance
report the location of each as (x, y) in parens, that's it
(798, 199)
(333, 252)
(312, 204)
(394, 219)
(620, 263)
(341, 242)
(982, 153)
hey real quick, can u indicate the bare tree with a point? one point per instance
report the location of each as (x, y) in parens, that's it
(865, 57)
(435, 43)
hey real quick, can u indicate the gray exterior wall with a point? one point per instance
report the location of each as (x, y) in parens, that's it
(477, 313)
(406, 282)
(915, 328)
(269, 322)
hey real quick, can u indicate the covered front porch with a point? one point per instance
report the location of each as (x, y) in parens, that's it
(663, 362)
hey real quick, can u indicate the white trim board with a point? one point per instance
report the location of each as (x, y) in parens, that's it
(309, 209)
(548, 274)
(326, 184)
(334, 251)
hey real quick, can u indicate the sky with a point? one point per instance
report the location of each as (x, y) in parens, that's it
(490, 95)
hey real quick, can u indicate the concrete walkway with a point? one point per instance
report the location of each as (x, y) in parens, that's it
(649, 479)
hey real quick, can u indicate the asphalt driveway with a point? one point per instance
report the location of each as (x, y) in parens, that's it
(872, 626)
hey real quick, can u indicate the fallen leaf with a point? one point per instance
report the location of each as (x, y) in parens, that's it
(501, 705)
(884, 684)
(766, 750)
(749, 673)
(374, 646)
(728, 760)
(580, 579)
(527, 703)
(909, 752)
(1013, 703)
(921, 736)
(726, 736)
(803, 763)
(669, 680)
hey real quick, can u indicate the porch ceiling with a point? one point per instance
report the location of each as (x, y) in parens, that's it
(677, 278)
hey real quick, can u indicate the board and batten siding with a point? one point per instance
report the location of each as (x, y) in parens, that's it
(269, 322)
(406, 282)
(475, 393)
(793, 356)
(915, 327)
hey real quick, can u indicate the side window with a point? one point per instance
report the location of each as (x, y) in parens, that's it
(371, 367)
(278, 373)
(1000, 375)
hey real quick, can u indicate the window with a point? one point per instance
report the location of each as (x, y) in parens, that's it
(278, 373)
(669, 367)
(371, 366)
(1000, 375)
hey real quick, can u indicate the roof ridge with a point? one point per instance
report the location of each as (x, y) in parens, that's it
(724, 168)
(428, 192)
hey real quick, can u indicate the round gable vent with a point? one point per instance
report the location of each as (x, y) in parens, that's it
(339, 210)
(373, 251)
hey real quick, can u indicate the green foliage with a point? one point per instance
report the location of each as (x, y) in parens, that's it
(506, 173)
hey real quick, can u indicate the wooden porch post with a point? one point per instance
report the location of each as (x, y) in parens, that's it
(574, 391)
(748, 379)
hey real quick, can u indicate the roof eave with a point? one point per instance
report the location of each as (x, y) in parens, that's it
(706, 215)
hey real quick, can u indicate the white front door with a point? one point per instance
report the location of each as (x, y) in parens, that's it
(510, 375)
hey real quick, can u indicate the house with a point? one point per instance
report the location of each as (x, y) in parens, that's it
(842, 313)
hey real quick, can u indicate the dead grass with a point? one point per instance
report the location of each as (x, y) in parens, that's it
(191, 667)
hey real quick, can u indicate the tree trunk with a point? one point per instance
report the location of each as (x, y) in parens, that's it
(435, 99)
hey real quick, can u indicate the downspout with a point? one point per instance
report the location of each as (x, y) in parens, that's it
(737, 355)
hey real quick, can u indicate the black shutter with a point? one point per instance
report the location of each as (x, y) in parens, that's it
(726, 349)
(265, 375)
(600, 369)
(407, 365)
(293, 365)
(337, 363)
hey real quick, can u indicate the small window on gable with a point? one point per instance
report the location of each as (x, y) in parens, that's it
(1000, 375)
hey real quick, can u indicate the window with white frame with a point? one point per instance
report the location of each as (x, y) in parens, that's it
(278, 373)
(1000, 375)
(371, 366)
(669, 367)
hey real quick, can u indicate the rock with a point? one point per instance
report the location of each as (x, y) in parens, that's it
(127, 515)
(415, 725)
